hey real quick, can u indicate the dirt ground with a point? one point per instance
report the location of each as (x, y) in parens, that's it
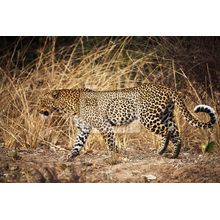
(46, 164)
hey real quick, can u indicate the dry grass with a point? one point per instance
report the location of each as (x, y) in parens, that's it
(111, 64)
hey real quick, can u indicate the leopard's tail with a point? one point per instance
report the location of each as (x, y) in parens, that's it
(199, 108)
(210, 111)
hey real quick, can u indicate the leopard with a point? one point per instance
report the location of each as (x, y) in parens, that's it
(151, 104)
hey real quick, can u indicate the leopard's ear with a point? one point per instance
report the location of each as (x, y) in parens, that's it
(55, 93)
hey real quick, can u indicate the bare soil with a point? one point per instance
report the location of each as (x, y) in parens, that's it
(46, 164)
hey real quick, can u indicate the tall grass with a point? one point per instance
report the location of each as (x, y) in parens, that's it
(115, 63)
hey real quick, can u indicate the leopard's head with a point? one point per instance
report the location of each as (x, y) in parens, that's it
(63, 100)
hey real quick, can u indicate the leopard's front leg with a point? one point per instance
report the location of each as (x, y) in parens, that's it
(108, 135)
(83, 132)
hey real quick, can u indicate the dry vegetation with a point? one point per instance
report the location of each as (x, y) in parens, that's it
(189, 66)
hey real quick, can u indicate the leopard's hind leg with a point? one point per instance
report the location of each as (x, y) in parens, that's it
(164, 143)
(157, 127)
(167, 119)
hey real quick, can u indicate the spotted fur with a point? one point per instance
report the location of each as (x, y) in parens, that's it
(153, 105)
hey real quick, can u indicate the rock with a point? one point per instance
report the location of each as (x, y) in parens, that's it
(150, 177)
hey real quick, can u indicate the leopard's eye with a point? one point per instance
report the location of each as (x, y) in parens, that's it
(46, 113)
